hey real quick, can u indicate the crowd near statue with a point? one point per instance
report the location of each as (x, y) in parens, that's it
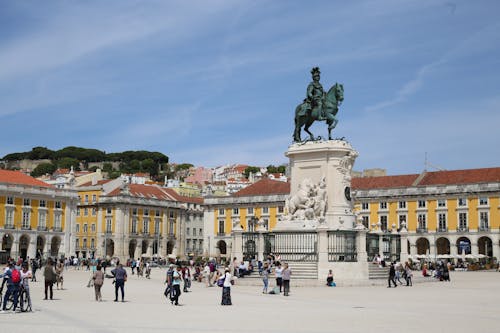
(318, 106)
(309, 202)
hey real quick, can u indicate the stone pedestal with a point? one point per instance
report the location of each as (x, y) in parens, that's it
(329, 161)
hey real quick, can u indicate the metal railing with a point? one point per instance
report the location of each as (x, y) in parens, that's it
(444, 229)
(421, 230)
(295, 246)
(342, 246)
(39, 228)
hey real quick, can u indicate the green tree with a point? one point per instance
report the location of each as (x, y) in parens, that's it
(107, 167)
(250, 169)
(274, 169)
(41, 153)
(149, 166)
(68, 162)
(43, 168)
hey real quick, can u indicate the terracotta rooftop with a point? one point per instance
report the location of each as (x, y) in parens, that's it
(264, 186)
(16, 177)
(155, 192)
(458, 177)
(99, 182)
(367, 183)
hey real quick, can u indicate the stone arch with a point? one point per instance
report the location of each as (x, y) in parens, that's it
(485, 245)
(443, 245)
(144, 246)
(222, 246)
(170, 247)
(463, 245)
(55, 243)
(24, 243)
(7, 241)
(423, 245)
(132, 245)
(40, 245)
(110, 247)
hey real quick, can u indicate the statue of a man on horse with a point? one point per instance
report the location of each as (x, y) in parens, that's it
(318, 105)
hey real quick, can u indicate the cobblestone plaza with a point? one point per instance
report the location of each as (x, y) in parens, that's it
(468, 303)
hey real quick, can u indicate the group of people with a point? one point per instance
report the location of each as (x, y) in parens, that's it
(282, 275)
(397, 271)
(16, 276)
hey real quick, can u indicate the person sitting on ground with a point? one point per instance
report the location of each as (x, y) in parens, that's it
(329, 278)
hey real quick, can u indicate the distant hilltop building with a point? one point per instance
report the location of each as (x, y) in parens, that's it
(136, 178)
(199, 175)
(68, 178)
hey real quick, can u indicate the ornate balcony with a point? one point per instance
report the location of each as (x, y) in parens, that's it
(421, 230)
(40, 228)
(463, 229)
(442, 229)
(9, 226)
(26, 227)
(484, 228)
(57, 229)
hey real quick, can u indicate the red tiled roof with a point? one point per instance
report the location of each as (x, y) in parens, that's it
(144, 191)
(459, 177)
(99, 182)
(264, 186)
(16, 177)
(469, 176)
(181, 198)
(367, 183)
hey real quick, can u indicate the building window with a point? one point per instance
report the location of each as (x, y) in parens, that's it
(236, 211)
(265, 210)
(26, 202)
(266, 224)
(42, 219)
(422, 222)
(58, 205)
(462, 202)
(94, 198)
(85, 228)
(194, 232)
(281, 209)
(364, 206)
(134, 226)
(94, 211)
(402, 219)
(383, 205)
(250, 210)
(442, 222)
(221, 226)
(26, 219)
(77, 228)
(171, 215)
(483, 201)
(171, 227)
(157, 213)
(134, 211)
(92, 243)
(109, 225)
(402, 205)
(108, 211)
(10, 200)
(9, 218)
(441, 203)
(421, 204)
(157, 227)
(222, 211)
(77, 243)
(85, 211)
(92, 227)
(187, 231)
(57, 222)
(86, 198)
(462, 221)
(366, 221)
(78, 212)
(145, 226)
(483, 221)
(43, 204)
(146, 212)
(85, 243)
(383, 223)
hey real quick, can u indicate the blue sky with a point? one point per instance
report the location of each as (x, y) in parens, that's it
(217, 82)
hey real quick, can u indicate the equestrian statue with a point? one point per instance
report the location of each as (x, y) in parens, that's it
(318, 106)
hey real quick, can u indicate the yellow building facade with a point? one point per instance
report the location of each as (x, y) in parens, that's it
(35, 218)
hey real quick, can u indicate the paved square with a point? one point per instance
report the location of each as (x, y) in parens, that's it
(470, 303)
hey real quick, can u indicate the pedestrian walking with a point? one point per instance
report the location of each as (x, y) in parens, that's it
(168, 281)
(409, 275)
(59, 273)
(98, 282)
(176, 286)
(49, 273)
(392, 276)
(120, 275)
(226, 288)
(398, 269)
(186, 275)
(265, 277)
(26, 275)
(287, 272)
(278, 271)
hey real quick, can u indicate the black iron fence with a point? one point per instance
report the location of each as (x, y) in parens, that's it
(342, 246)
(250, 241)
(295, 246)
(372, 241)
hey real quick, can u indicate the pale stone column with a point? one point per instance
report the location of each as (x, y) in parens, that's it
(361, 245)
(381, 245)
(119, 233)
(100, 249)
(14, 251)
(164, 233)
(404, 246)
(322, 248)
(31, 246)
(48, 244)
(138, 249)
(237, 244)
(260, 244)
(474, 247)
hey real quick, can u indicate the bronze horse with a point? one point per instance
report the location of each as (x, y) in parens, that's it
(304, 116)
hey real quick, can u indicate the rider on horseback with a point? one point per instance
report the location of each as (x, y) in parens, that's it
(315, 95)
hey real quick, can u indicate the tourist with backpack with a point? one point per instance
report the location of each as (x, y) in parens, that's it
(50, 277)
(13, 277)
